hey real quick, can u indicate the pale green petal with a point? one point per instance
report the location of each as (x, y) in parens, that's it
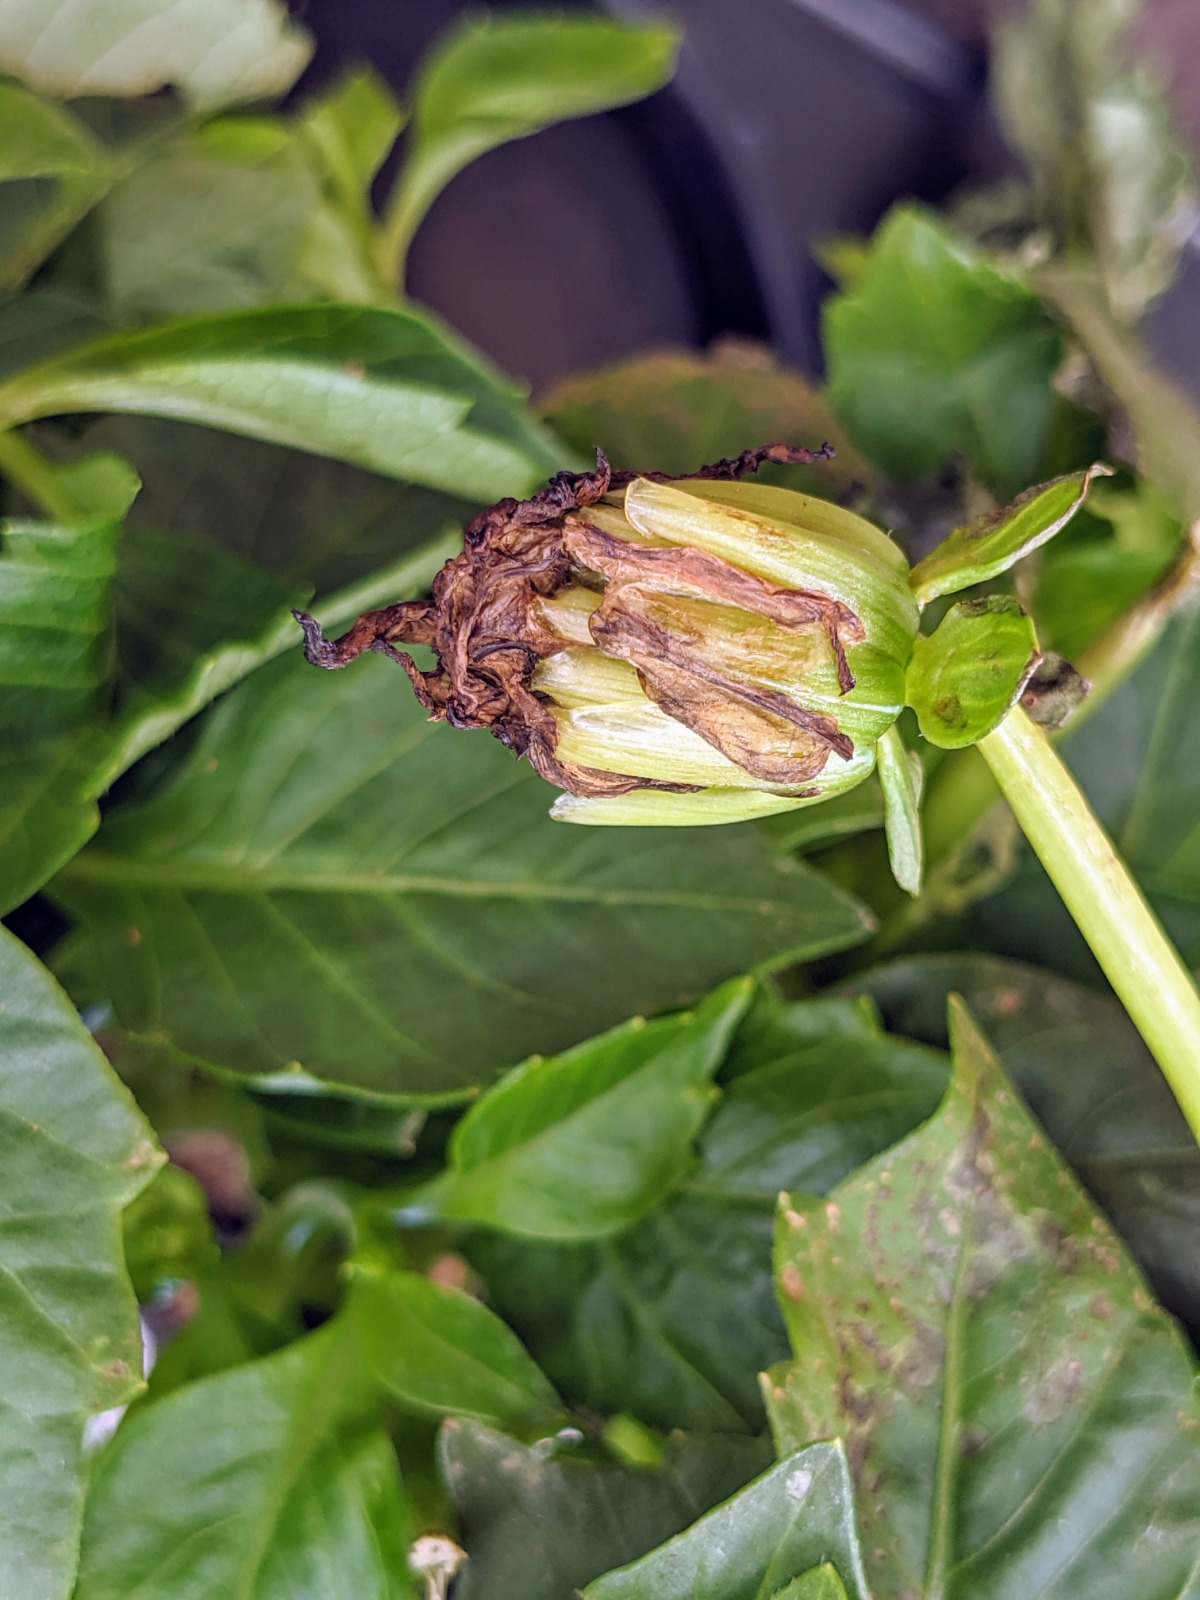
(783, 553)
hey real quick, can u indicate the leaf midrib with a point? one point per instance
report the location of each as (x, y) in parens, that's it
(245, 880)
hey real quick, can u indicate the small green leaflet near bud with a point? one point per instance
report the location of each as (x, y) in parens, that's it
(666, 652)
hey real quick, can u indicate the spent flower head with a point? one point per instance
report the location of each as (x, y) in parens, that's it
(664, 650)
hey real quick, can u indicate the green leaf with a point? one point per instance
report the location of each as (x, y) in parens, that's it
(167, 1233)
(538, 1525)
(821, 1583)
(73, 1152)
(935, 351)
(582, 1144)
(335, 885)
(42, 322)
(352, 127)
(965, 677)
(318, 523)
(1165, 422)
(495, 79)
(1079, 1062)
(998, 539)
(1114, 556)
(55, 581)
(1020, 1415)
(674, 1319)
(51, 173)
(214, 220)
(348, 132)
(384, 389)
(47, 810)
(266, 1481)
(213, 51)
(795, 1517)
(840, 817)
(439, 1352)
(902, 779)
(1137, 759)
(675, 410)
(56, 660)
(1111, 178)
(190, 622)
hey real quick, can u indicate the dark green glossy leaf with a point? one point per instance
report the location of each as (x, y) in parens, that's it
(213, 51)
(1079, 1062)
(674, 1319)
(795, 1517)
(439, 1352)
(334, 886)
(538, 1525)
(996, 540)
(384, 389)
(492, 80)
(581, 1145)
(676, 410)
(73, 1152)
(1019, 1413)
(267, 1482)
(935, 352)
(51, 173)
(965, 677)
(813, 1095)
(1111, 178)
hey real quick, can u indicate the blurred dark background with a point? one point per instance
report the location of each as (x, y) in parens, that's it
(694, 214)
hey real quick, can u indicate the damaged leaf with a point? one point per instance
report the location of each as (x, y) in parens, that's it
(1018, 1413)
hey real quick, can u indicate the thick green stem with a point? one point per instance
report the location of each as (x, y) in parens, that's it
(21, 464)
(1126, 937)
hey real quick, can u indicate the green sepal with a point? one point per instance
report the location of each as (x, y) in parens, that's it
(902, 779)
(990, 544)
(964, 678)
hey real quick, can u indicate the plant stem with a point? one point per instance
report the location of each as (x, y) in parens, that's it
(21, 464)
(1126, 937)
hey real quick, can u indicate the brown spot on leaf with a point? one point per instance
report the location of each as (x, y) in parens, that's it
(791, 1282)
(1053, 1392)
